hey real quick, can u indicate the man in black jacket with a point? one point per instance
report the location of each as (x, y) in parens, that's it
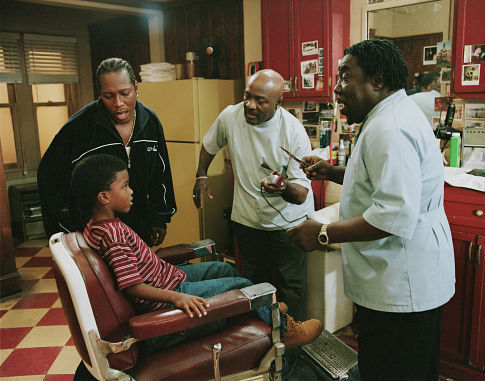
(115, 124)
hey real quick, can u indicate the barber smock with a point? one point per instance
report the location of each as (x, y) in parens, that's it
(252, 146)
(394, 179)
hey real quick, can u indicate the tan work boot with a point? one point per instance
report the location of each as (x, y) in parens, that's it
(300, 333)
(283, 308)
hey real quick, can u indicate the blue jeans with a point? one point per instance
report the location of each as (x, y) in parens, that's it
(206, 279)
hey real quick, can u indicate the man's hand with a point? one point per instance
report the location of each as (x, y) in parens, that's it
(158, 235)
(318, 169)
(201, 186)
(305, 235)
(191, 303)
(271, 188)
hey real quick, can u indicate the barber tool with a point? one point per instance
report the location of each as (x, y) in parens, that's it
(275, 180)
(303, 164)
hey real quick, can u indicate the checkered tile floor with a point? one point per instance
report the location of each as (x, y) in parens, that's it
(35, 343)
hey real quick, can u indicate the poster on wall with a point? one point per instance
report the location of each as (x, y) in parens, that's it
(474, 53)
(429, 55)
(309, 48)
(309, 67)
(443, 54)
(471, 75)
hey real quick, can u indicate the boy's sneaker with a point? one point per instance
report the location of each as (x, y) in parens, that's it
(283, 308)
(300, 333)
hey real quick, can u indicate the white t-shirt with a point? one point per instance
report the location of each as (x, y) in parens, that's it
(395, 180)
(251, 147)
(425, 101)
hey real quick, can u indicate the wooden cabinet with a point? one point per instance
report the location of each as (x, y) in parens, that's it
(289, 27)
(468, 29)
(463, 326)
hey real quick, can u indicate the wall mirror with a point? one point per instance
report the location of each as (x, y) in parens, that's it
(416, 29)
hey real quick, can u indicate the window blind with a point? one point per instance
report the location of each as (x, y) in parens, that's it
(9, 58)
(50, 59)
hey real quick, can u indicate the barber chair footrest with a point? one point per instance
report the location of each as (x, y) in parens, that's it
(330, 357)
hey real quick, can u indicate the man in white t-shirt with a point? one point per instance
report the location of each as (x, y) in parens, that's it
(425, 98)
(255, 130)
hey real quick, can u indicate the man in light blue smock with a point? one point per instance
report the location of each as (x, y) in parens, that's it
(397, 250)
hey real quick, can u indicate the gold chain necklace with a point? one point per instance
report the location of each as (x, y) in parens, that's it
(132, 129)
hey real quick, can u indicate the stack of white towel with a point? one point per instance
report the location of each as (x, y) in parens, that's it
(157, 72)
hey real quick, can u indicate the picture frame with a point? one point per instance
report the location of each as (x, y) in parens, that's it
(475, 111)
(429, 55)
(311, 131)
(308, 81)
(297, 112)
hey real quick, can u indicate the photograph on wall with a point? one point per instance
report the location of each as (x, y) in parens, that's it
(311, 131)
(309, 67)
(310, 106)
(308, 81)
(471, 75)
(429, 55)
(443, 54)
(475, 111)
(320, 70)
(458, 113)
(475, 123)
(320, 52)
(474, 53)
(445, 75)
(320, 61)
(296, 112)
(308, 48)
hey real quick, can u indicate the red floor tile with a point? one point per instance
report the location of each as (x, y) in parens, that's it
(29, 361)
(37, 300)
(58, 377)
(26, 251)
(38, 262)
(49, 275)
(11, 337)
(70, 343)
(55, 316)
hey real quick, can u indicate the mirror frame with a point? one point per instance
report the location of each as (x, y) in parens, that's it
(399, 3)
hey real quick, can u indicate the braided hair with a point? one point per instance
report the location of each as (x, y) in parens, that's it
(381, 57)
(112, 65)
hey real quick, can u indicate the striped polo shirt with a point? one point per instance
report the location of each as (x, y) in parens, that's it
(131, 260)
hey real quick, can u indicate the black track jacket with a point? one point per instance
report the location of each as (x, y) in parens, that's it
(90, 131)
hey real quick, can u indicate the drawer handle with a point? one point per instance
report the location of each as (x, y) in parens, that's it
(478, 212)
(479, 249)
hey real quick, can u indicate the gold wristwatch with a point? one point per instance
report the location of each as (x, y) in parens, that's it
(323, 236)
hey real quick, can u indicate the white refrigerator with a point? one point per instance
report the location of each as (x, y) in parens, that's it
(187, 108)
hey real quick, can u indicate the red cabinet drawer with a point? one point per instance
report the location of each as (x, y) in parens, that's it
(459, 213)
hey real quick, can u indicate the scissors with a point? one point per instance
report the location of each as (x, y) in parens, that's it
(303, 164)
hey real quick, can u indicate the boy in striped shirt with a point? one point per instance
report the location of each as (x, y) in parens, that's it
(102, 183)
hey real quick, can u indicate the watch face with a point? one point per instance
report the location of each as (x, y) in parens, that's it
(322, 238)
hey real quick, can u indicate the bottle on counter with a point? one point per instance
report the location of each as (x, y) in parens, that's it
(455, 143)
(342, 156)
(190, 64)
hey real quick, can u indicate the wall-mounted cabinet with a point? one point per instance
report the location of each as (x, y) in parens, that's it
(468, 36)
(303, 40)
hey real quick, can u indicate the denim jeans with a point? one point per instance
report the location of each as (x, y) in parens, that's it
(207, 279)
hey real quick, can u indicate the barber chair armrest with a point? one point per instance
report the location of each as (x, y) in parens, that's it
(184, 252)
(222, 306)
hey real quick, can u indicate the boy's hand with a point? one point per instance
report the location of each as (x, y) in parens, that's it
(190, 303)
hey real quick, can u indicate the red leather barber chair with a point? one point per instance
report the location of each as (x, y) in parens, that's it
(107, 333)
